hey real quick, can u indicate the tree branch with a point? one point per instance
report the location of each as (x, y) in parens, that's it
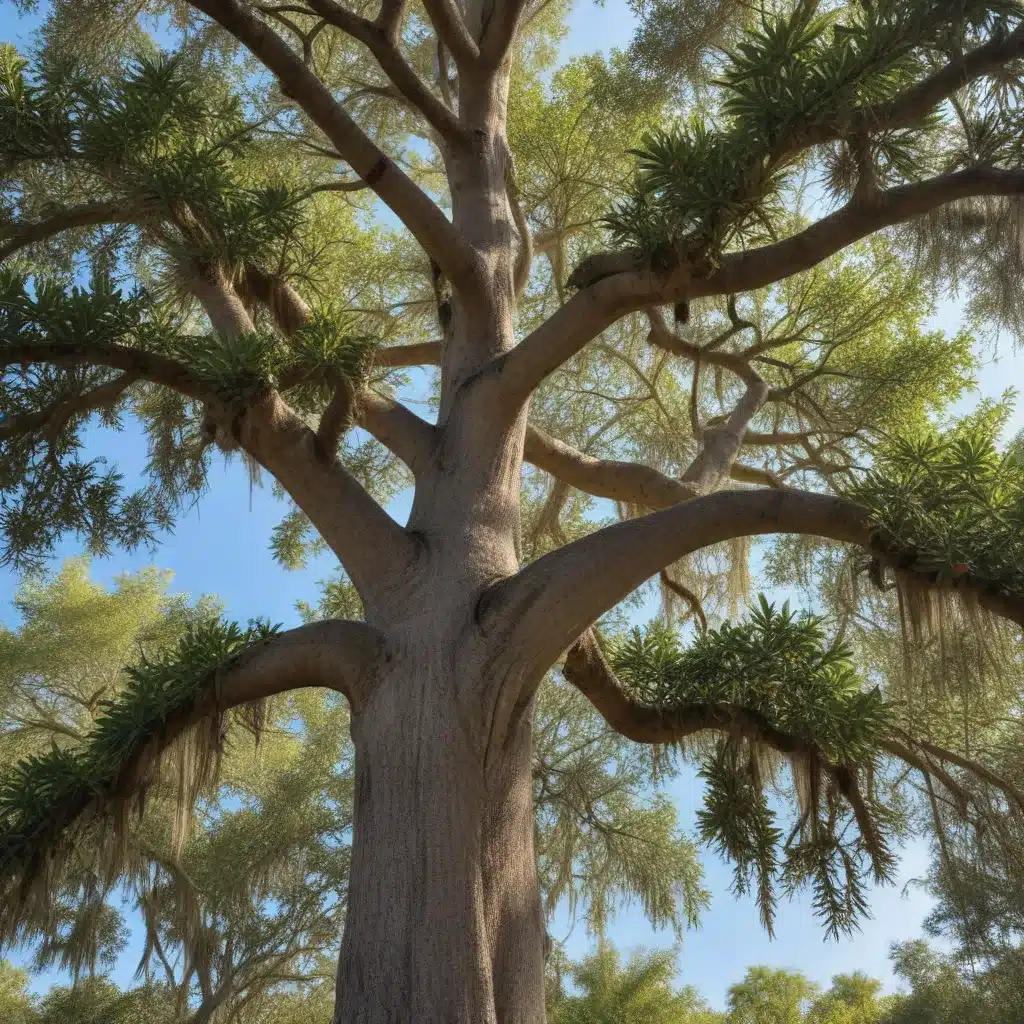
(451, 30)
(604, 478)
(615, 285)
(142, 365)
(742, 473)
(587, 669)
(928, 769)
(14, 237)
(333, 654)
(428, 224)
(383, 46)
(912, 105)
(684, 593)
(424, 353)
(336, 418)
(758, 268)
(412, 439)
(367, 541)
(287, 307)
(550, 602)
(662, 336)
(501, 31)
(52, 420)
(524, 258)
(974, 768)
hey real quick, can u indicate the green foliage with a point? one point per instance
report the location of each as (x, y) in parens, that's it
(852, 999)
(42, 790)
(943, 993)
(704, 187)
(777, 663)
(953, 500)
(775, 680)
(638, 992)
(15, 1005)
(98, 1001)
(46, 489)
(261, 862)
(767, 996)
(602, 841)
(172, 148)
(224, 169)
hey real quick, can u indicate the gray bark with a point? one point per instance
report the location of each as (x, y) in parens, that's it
(444, 920)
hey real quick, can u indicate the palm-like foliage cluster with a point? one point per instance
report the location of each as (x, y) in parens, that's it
(175, 187)
(954, 502)
(779, 687)
(810, 76)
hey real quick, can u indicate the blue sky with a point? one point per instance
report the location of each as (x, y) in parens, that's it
(220, 547)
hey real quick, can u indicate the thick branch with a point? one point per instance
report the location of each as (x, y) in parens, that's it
(409, 437)
(604, 478)
(431, 228)
(501, 31)
(615, 286)
(285, 304)
(14, 237)
(915, 103)
(336, 418)
(142, 365)
(587, 669)
(452, 31)
(393, 64)
(758, 268)
(552, 601)
(412, 439)
(333, 654)
(424, 353)
(367, 541)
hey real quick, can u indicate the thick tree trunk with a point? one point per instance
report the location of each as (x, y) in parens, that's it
(444, 917)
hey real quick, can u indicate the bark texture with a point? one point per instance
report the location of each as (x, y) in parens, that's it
(444, 915)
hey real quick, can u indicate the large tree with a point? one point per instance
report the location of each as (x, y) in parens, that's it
(231, 185)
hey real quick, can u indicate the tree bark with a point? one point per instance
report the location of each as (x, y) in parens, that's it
(444, 920)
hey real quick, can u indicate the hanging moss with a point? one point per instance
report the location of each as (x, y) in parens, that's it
(47, 800)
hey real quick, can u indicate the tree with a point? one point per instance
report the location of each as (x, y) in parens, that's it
(852, 999)
(769, 995)
(243, 906)
(224, 196)
(615, 993)
(14, 1001)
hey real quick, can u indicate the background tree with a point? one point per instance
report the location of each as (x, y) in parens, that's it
(14, 1000)
(639, 990)
(228, 188)
(765, 995)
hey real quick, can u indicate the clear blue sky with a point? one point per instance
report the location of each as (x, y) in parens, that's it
(221, 548)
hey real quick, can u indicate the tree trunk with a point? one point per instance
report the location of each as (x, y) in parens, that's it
(444, 916)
